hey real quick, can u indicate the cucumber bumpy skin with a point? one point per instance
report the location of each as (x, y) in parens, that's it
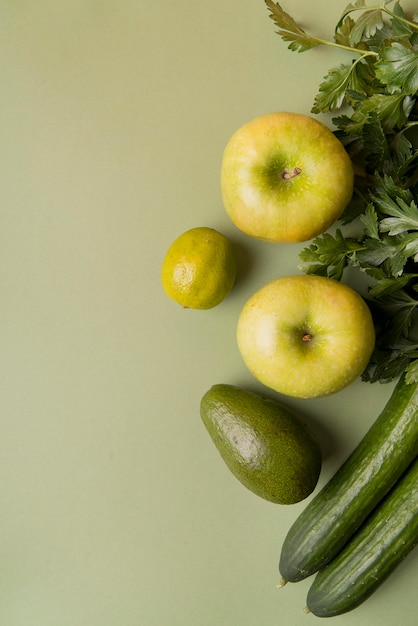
(372, 554)
(332, 517)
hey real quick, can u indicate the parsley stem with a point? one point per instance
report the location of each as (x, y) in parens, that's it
(401, 19)
(363, 53)
(407, 126)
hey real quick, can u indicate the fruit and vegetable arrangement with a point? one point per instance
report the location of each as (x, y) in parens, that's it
(287, 177)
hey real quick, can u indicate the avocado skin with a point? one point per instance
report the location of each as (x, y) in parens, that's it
(265, 445)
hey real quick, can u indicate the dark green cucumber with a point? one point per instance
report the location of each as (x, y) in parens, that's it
(331, 518)
(372, 554)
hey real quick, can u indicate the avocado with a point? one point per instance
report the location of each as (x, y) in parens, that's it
(265, 445)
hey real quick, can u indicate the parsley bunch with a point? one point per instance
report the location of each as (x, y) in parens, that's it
(375, 94)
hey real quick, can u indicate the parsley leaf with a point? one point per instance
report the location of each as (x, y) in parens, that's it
(375, 144)
(392, 109)
(366, 26)
(333, 90)
(404, 216)
(328, 255)
(339, 83)
(398, 68)
(370, 221)
(289, 30)
(386, 286)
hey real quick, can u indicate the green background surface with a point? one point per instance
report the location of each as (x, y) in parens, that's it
(116, 509)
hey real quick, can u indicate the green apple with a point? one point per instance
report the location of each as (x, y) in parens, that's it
(285, 177)
(306, 336)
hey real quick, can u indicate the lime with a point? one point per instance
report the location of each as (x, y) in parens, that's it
(199, 268)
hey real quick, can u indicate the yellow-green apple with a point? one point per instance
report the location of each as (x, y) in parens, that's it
(306, 336)
(285, 177)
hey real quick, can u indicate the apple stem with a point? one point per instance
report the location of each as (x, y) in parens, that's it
(306, 337)
(287, 174)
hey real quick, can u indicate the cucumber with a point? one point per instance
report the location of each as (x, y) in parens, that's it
(341, 506)
(372, 554)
